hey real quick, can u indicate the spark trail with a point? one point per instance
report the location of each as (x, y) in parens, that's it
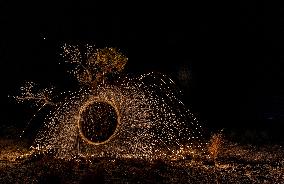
(144, 118)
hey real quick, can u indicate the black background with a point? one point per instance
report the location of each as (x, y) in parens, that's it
(232, 52)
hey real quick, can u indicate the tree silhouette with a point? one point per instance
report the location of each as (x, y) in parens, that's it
(93, 65)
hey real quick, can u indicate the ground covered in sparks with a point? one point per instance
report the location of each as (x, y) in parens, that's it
(234, 164)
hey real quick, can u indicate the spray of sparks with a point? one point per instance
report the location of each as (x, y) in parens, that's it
(136, 117)
(133, 118)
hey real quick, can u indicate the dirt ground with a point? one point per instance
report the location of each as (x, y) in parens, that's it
(234, 164)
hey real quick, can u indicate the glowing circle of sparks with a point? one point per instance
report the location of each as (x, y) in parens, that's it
(84, 107)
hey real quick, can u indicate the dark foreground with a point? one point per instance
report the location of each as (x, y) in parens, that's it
(234, 164)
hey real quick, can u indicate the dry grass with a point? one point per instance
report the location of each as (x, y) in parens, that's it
(11, 149)
(215, 145)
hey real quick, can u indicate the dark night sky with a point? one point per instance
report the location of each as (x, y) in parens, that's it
(233, 52)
